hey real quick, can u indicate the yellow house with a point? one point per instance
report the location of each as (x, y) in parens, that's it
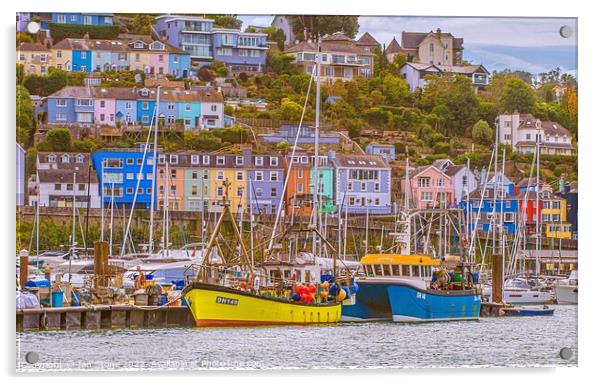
(61, 57)
(228, 167)
(140, 56)
(553, 217)
(34, 57)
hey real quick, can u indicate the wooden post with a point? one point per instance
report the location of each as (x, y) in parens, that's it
(101, 261)
(497, 270)
(23, 268)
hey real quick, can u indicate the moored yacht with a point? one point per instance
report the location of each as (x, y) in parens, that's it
(567, 290)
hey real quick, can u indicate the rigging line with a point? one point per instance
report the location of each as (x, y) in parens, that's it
(137, 181)
(288, 172)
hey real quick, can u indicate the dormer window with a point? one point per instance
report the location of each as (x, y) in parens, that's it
(66, 158)
(156, 45)
(138, 45)
(194, 159)
(51, 158)
(144, 92)
(79, 158)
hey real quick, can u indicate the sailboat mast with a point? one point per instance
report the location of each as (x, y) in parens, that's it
(38, 219)
(537, 223)
(495, 187)
(102, 201)
(72, 228)
(152, 204)
(111, 222)
(316, 151)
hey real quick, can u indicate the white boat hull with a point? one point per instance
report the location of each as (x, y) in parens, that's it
(516, 297)
(566, 294)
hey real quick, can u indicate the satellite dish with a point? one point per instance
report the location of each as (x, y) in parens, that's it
(138, 78)
(33, 27)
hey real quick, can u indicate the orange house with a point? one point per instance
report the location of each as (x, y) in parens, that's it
(298, 195)
(171, 185)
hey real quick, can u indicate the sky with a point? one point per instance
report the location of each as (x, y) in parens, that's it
(528, 44)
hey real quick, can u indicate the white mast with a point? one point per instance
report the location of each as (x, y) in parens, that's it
(111, 223)
(72, 227)
(38, 218)
(152, 205)
(537, 223)
(316, 145)
(495, 187)
(102, 200)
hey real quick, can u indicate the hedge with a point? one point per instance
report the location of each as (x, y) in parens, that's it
(63, 31)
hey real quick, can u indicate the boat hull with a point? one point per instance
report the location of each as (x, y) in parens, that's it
(526, 297)
(403, 302)
(213, 305)
(527, 312)
(566, 294)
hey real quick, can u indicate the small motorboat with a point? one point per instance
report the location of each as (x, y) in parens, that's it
(528, 311)
(567, 290)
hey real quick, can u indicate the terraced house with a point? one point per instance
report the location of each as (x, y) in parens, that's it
(341, 58)
(98, 19)
(88, 55)
(240, 51)
(116, 107)
(35, 58)
(362, 184)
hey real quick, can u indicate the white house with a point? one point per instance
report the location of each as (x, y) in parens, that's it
(55, 176)
(414, 74)
(282, 23)
(522, 130)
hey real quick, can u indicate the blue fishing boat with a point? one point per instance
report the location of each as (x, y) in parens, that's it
(411, 288)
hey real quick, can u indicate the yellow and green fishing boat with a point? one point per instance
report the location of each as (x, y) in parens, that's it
(229, 293)
(215, 305)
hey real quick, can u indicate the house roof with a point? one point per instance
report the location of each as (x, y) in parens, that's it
(337, 43)
(367, 39)
(393, 47)
(62, 172)
(167, 94)
(125, 45)
(359, 161)
(419, 170)
(32, 47)
(528, 121)
(411, 40)
(453, 170)
(464, 70)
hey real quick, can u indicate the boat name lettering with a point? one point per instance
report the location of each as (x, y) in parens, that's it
(226, 301)
(420, 295)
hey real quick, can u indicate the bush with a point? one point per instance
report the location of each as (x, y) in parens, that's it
(63, 31)
(442, 148)
(482, 133)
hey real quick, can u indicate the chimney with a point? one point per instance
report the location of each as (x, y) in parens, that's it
(438, 34)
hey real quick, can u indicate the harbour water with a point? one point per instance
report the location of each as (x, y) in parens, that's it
(503, 341)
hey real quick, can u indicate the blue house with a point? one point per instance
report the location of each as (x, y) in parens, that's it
(385, 150)
(145, 110)
(82, 60)
(98, 19)
(120, 177)
(362, 183)
(71, 105)
(240, 51)
(479, 213)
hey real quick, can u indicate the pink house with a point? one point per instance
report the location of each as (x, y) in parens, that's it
(430, 187)
(104, 112)
(158, 58)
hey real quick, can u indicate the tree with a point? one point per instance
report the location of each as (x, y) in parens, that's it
(219, 68)
(20, 73)
(59, 139)
(398, 61)
(317, 26)
(24, 116)
(517, 96)
(23, 37)
(395, 90)
(277, 35)
(141, 24)
(439, 118)
(280, 63)
(226, 21)
(482, 133)
(290, 110)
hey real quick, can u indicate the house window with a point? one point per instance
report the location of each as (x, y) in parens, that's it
(57, 187)
(274, 176)
(194, 159)
(239, 175)
(220, 160)
(376, 187)
(239, 160)
(220, 191)
(424, 182)
(239, 191)
(299, 187)
(426, 196)
(69, 186)
(350, 186)
(259, 175)
(205, 159)
(220, 175)
(259, 161)
(213, 107)
(273, 161)
(274, 192)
